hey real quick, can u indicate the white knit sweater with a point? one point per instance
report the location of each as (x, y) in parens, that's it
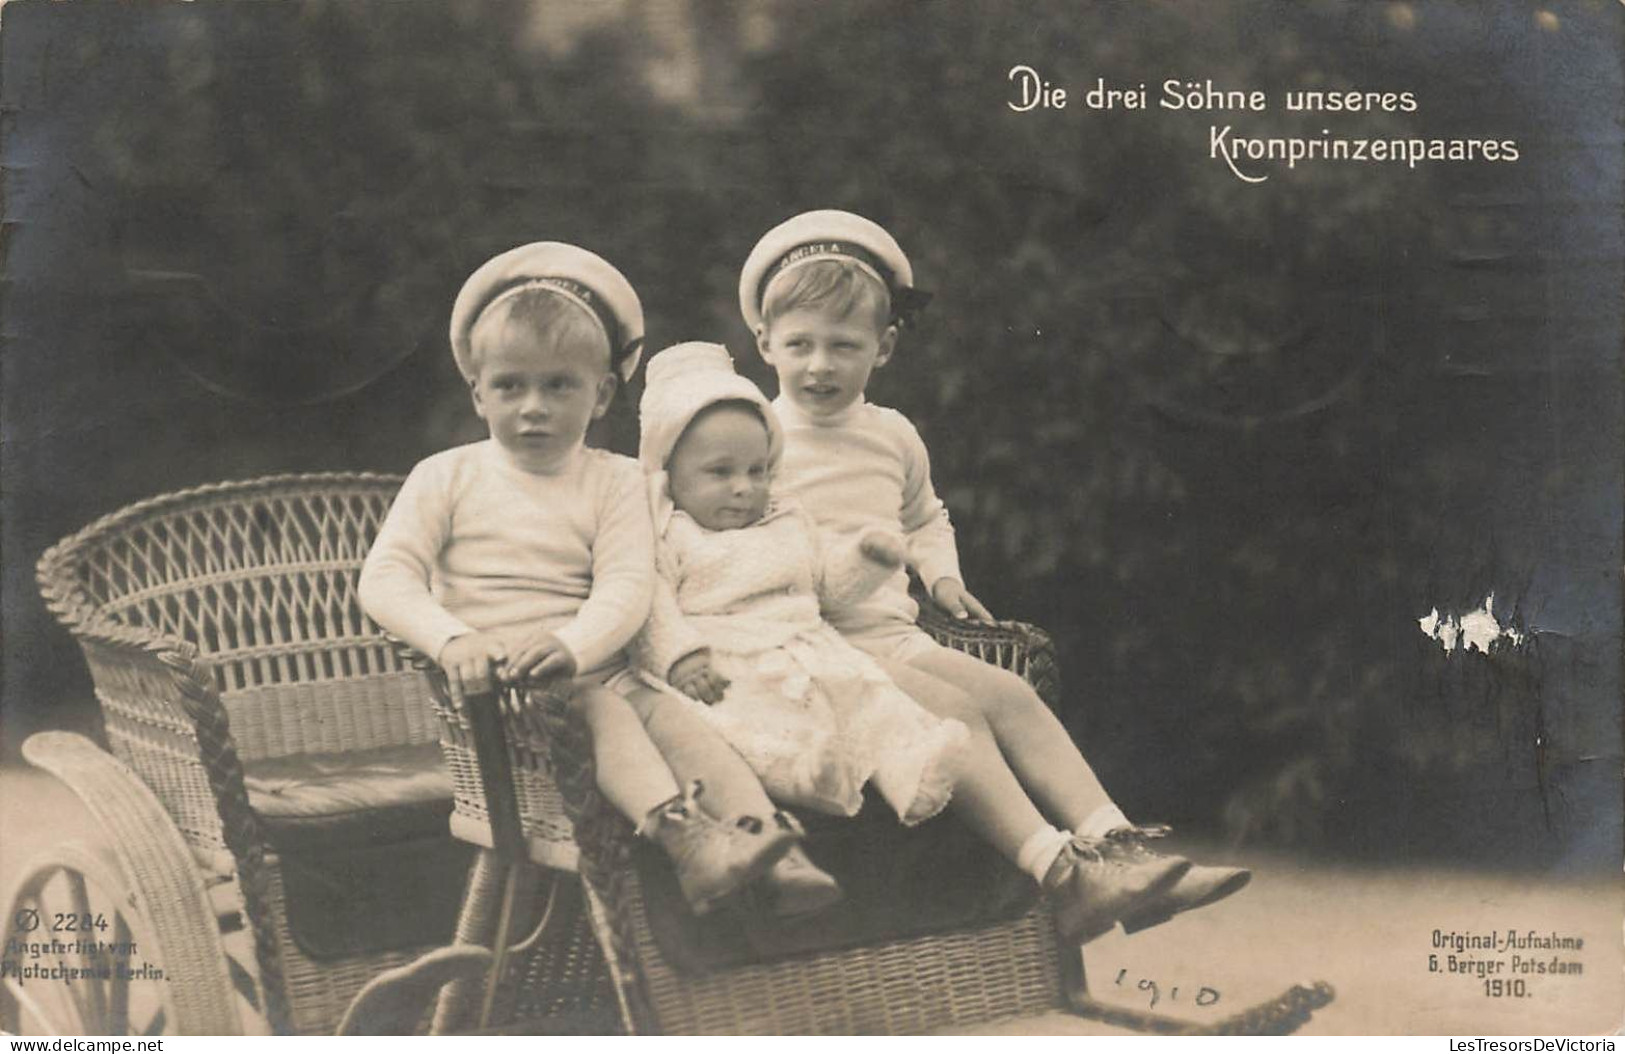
(475, 542)
(867, 468)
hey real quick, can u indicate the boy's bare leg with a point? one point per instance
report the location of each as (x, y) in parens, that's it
(1090, 894)
(630, 771)
(987, 794)
(693, 750)
(1043, 756)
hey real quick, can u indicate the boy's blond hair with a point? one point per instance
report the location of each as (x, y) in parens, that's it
(840, 287)
(553, 321)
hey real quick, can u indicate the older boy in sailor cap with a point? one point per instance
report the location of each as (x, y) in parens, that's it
(826, 294)
(530, 556)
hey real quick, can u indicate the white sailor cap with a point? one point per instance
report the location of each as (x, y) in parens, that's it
(568, 270)
(822, 235)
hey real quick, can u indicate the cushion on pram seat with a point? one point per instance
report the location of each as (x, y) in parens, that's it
(368, 863)
(379, 796)
(899, 882)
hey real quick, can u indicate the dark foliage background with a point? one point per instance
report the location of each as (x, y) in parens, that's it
(1228, 441)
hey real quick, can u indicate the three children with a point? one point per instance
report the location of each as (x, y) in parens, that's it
(535, 557)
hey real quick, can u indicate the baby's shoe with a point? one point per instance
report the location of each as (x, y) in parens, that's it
(1197, 888)
(796, 886)
(714, 860)
(1093, 884)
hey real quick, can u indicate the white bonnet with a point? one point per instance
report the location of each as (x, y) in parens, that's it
(681, 381)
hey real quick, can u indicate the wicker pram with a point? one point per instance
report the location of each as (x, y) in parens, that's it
(223, 636)
(930, 982)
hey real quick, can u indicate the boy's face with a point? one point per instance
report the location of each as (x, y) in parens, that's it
(537, 399)
(824, 360)
(718, 471)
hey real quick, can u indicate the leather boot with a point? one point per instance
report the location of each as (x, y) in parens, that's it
(1091, 887)
(714, 860)
(1197, 888)
(796, 886)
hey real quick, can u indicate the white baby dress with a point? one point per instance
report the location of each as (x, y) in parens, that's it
(812, 715)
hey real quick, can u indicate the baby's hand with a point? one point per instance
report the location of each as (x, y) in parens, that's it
(693, 676)
(467, 660)
(952, 596)
(881, 547)
(540, 657)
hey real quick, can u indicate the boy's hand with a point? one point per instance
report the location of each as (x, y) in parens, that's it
(540, 657)
(882, 547)
(467, 661)
(693, 676)
(951, 595)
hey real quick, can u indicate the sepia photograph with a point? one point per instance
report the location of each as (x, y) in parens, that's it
(774, 517)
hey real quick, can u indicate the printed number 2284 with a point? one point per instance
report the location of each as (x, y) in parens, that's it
(64, 922)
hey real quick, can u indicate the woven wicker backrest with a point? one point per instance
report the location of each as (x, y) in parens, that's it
(259, 575)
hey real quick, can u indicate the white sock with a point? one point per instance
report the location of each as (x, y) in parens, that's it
(1103, 821)
(1039, 851)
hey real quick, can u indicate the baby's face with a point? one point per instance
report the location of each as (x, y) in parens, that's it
(538, 398)
(824, 360)
(719, 470)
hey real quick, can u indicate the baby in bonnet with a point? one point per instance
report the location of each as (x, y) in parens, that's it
(736, 624)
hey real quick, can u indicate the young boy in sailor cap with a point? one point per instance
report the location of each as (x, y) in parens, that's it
(827, 294)
(530, 556)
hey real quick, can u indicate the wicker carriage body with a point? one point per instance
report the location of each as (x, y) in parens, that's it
(951, 978)
(221, 628)
(948, 979)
